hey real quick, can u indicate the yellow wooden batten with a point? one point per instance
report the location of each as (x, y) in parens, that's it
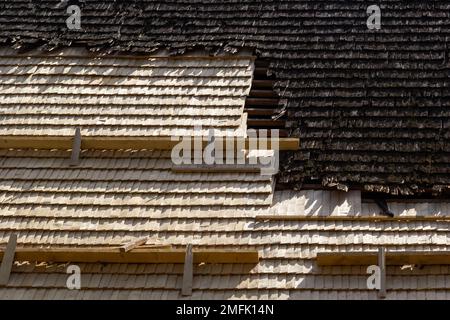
(121, 143)
(138, 255)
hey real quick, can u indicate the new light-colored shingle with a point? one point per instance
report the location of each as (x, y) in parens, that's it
(121, 96)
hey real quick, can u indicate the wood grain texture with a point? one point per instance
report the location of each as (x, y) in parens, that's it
(52, 95)
(7, 259)
(134, 142)
(76, 148)
(138, 255)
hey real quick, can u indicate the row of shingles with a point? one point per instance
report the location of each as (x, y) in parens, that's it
(61, 294)
(281, 267)
(239, 282)
(195, 91)
(64, 294)
(367, 232)
(271, 244)
(216, 232)
(230, 282)
(314, 204)
(212, 279)
(255, 34)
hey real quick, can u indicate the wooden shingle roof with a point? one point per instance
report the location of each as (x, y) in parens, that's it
(368, 106)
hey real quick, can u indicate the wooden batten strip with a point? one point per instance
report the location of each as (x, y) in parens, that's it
(391, 258)
(120, 143)
(8, 260)
(188, 272)
(38, 142)
(382, 266)
(139, 255)
(76, 148)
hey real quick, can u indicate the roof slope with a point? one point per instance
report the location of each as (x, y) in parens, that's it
(369, 106)
(115, 197)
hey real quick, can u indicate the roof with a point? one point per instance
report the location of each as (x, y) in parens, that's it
(114, 197)
(348, 121)
(368, 105)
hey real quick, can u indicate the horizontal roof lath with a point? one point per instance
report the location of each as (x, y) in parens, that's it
(138, 255)
(121, 143)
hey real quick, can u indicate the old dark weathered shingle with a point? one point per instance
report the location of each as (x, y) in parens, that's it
(371, 106)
